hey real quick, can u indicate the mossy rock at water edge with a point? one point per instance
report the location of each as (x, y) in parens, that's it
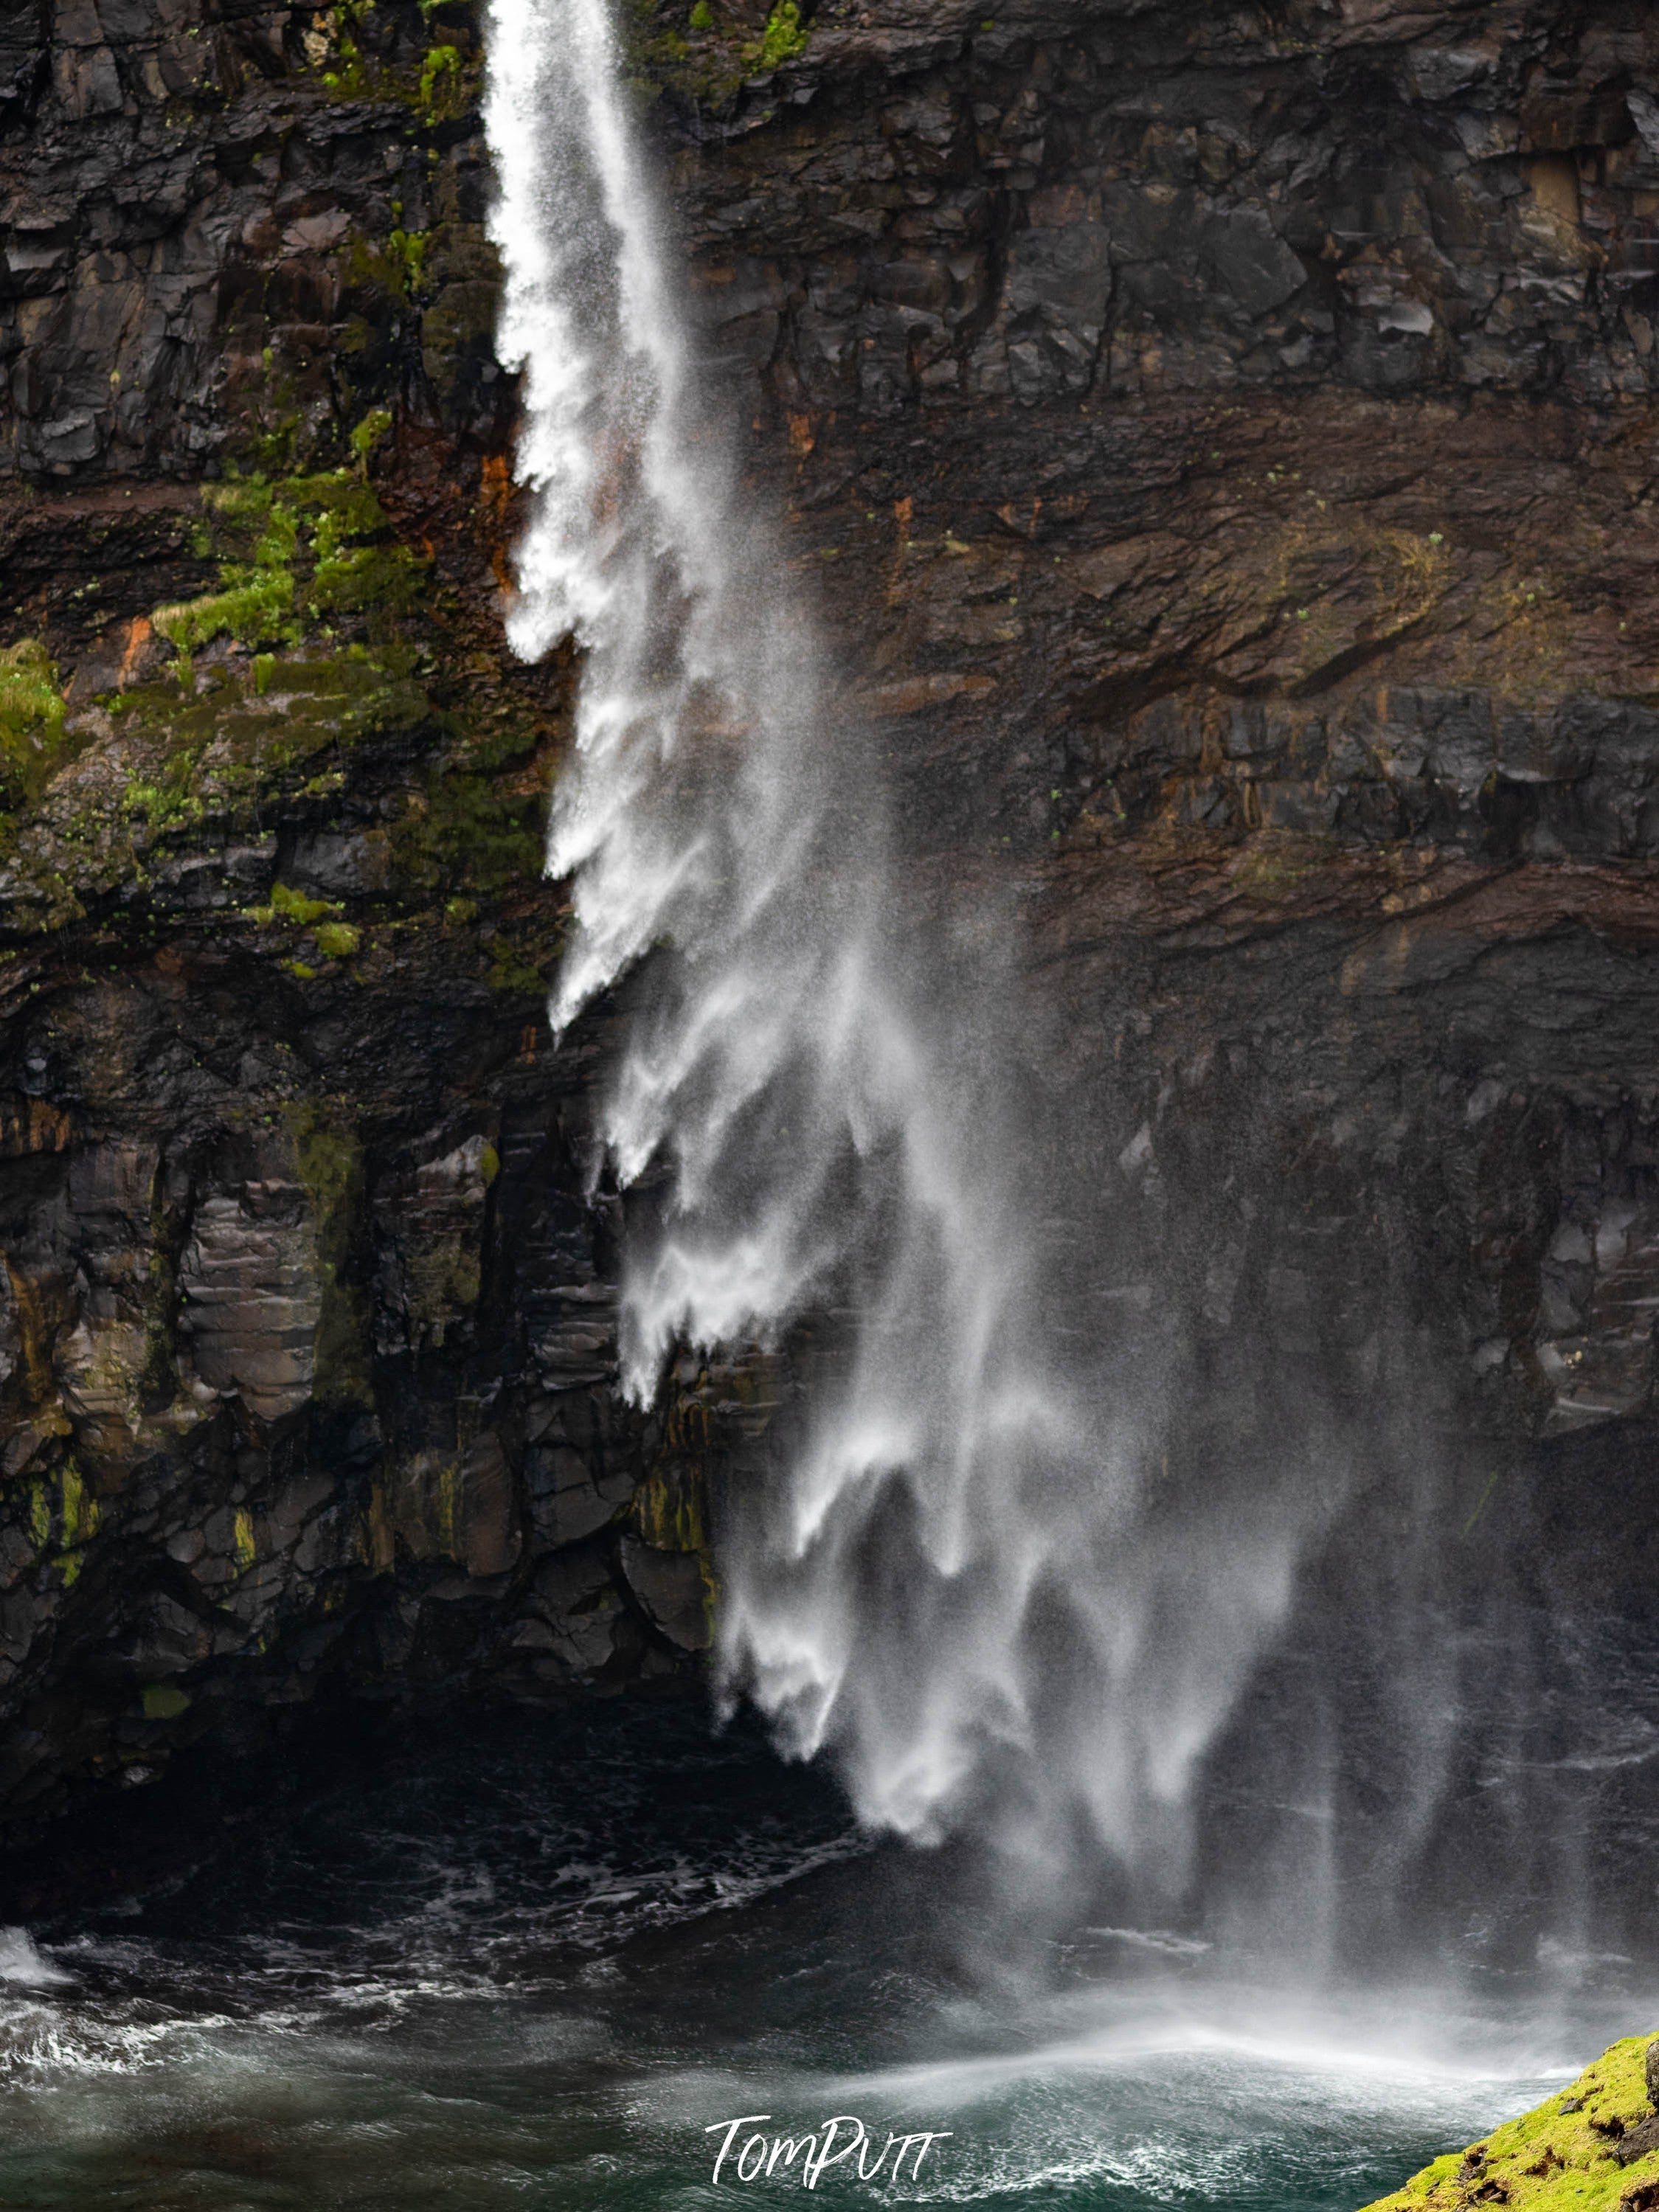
(1593, 2146)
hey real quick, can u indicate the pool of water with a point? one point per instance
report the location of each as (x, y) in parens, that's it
(546, 1961)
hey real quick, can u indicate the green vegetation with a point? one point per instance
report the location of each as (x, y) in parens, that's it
(464, 826)
(340, 49)
(79, 1508)
(440, 81)
(256, 611)
(289, 905)
(329, 1160)
(224, 746)
(75, 1514)
(295, 550)
(31, 719)
(710, 73)
(1557, 2158)
(349, 74)
(407, 248)
(334, 939)
(368, 435)
(783, 37)
(315, 655)
(518, 965)
(338, 940)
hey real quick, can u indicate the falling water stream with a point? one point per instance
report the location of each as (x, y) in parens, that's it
(1165, 1852)
(953, 1575)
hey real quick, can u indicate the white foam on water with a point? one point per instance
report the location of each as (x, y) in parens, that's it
(22, 1962)
(1167, 2106)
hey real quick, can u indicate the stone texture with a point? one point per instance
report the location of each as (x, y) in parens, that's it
(1223, 449)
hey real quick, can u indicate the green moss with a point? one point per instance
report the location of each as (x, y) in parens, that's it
(309, 548)
(165, 1701)
(708, 75)
(667, 1510)
(1550, 2160)
(78, 1507)
(347, 72)
(289, 905)
(783, 37)
(338, 940)
(440, 80)
(443, 85)
(353, 579)
(313, 554)
(328, 1158)
(244, 500)
(224, 749)
(75, 1513)
(368, 434)
(254, 610)
(31, 720)
(462, 828)
(408, 247)
(520, 966)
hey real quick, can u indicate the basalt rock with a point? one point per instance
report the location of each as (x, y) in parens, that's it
(1223, 443)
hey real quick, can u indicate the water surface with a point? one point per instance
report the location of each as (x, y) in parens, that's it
(531, 1963)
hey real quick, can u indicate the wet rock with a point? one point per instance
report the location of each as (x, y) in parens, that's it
(252, 1292)
(1253, 446)
(1638, 2141)
(673, 1587)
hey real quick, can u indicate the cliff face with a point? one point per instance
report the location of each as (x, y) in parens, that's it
(1223, 443)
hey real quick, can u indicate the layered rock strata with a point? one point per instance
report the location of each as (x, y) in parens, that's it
(1221, 440)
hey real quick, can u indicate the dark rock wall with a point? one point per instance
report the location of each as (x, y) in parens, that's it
(1140, 202)
(307, 1356)
(214, 243)
(1248, 414)
(1223, 442)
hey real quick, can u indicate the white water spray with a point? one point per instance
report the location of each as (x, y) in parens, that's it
(959, 1579)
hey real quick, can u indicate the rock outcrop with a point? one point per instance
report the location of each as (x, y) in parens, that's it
(1223, 441)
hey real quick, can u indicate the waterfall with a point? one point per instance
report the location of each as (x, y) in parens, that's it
(971, 1572)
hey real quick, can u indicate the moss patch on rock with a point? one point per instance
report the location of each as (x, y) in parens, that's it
(293, 554)
(702, 57)
(1563, 2156)
(328, 1155)
(31, 719)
